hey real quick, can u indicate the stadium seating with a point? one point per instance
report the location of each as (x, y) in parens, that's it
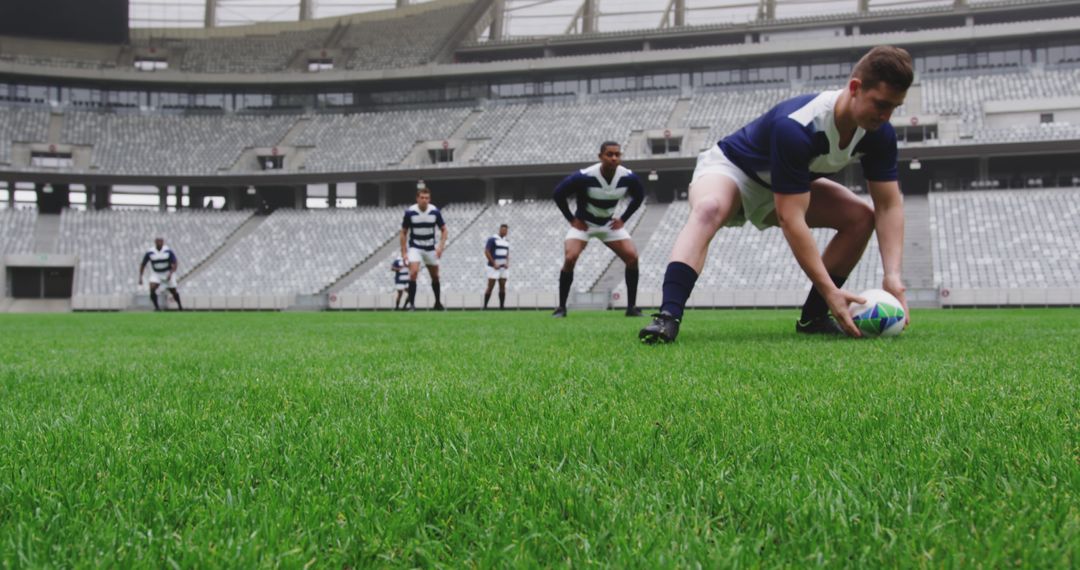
(133, 143)
(412, 40)
(17, 231)
(19, 124)
(372, 141)
(304, 251)
(110, 244)
(1006, 239)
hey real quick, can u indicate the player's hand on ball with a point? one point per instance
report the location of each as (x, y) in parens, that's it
(895, 286)
(838, 301)
(579, 224)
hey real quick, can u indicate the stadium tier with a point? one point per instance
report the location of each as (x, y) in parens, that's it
(1011, 240)
(297, 252)
(16, 231)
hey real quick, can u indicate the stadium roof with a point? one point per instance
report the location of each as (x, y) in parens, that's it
(522, 18)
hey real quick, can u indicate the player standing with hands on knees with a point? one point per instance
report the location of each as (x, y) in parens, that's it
(598, 189)
(772, 173)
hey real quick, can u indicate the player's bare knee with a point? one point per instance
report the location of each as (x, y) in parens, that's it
(863, 219)
(708, 212)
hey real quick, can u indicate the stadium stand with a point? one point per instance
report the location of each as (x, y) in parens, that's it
(246, 54)
(372, 141)
(110, 244)
(17, 231)
(568, 132)
(132, 143)
(412, 40)
(304, 251)
(1006, 239)
(19, 124)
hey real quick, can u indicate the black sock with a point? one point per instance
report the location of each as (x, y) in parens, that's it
(566, 279)
(815, 306)
(487, 297)
(397, 302)
(435, 289)
(176, 295)
(153, 299)
(410, 301)
(631, 287)
(502, 299)
(679, 279)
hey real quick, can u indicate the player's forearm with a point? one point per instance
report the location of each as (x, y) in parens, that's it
(889, 225)
(404, 244)
(444, 235)
(806, 253)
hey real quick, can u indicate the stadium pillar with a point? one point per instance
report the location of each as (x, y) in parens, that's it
(382, 194)
(680, 12)
(235, 198)
(984, 168)
(163, 198)
(489, 191)
(498, 17)
(299, 197)
(588, 17)
(306, 10)
(10, 194)
(402, 3)
(210, 17)
(331, 195)
(102, 197)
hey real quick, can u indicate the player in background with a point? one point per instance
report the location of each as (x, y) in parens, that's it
(772, 173)
(400, 267)
(418, 244)
(598, 189)
(163, 265)
(497, 252)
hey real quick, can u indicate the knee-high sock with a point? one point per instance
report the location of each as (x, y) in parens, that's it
(487, 297)
(502, 299)
(153, 299)
(566, 279)
(411, 299)
(815, 305)
(435, 288)
(679, 279)
(397, 301)
(631, 287)
(176, 295)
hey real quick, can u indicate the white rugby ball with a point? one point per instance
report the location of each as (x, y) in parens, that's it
(881, 315)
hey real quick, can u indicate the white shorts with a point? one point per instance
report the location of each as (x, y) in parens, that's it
(163, 279)
(758, 203)
(498, 272)
(603, 233)
(424, 256)
(400, 286)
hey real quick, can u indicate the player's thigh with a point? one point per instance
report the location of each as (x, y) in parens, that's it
(573, 248)
(433, 270)
(714, 198)
(832, 205)
(624, 248)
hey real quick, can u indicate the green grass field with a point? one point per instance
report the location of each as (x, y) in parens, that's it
(512, 439)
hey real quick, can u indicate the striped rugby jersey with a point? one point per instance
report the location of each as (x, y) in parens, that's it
(160, 261)
(596, 197)
(499, 249)
(421, 226)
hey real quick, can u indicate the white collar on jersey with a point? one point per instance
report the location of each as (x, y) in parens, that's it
(594, 171)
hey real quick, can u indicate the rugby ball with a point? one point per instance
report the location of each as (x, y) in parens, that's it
(881, 315)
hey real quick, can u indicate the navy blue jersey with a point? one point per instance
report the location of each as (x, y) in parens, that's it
(499, 249)
(401, 271)
(421, 226)
(161, 261)
(797, 141)
(596, 197)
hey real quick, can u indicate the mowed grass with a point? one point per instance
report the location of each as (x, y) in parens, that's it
(513, 439)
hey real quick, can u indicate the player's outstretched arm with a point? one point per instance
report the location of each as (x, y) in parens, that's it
(791, 212)
(889, 225)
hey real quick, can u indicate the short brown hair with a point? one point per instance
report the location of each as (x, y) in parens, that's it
(885, 64)
(424, 190)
